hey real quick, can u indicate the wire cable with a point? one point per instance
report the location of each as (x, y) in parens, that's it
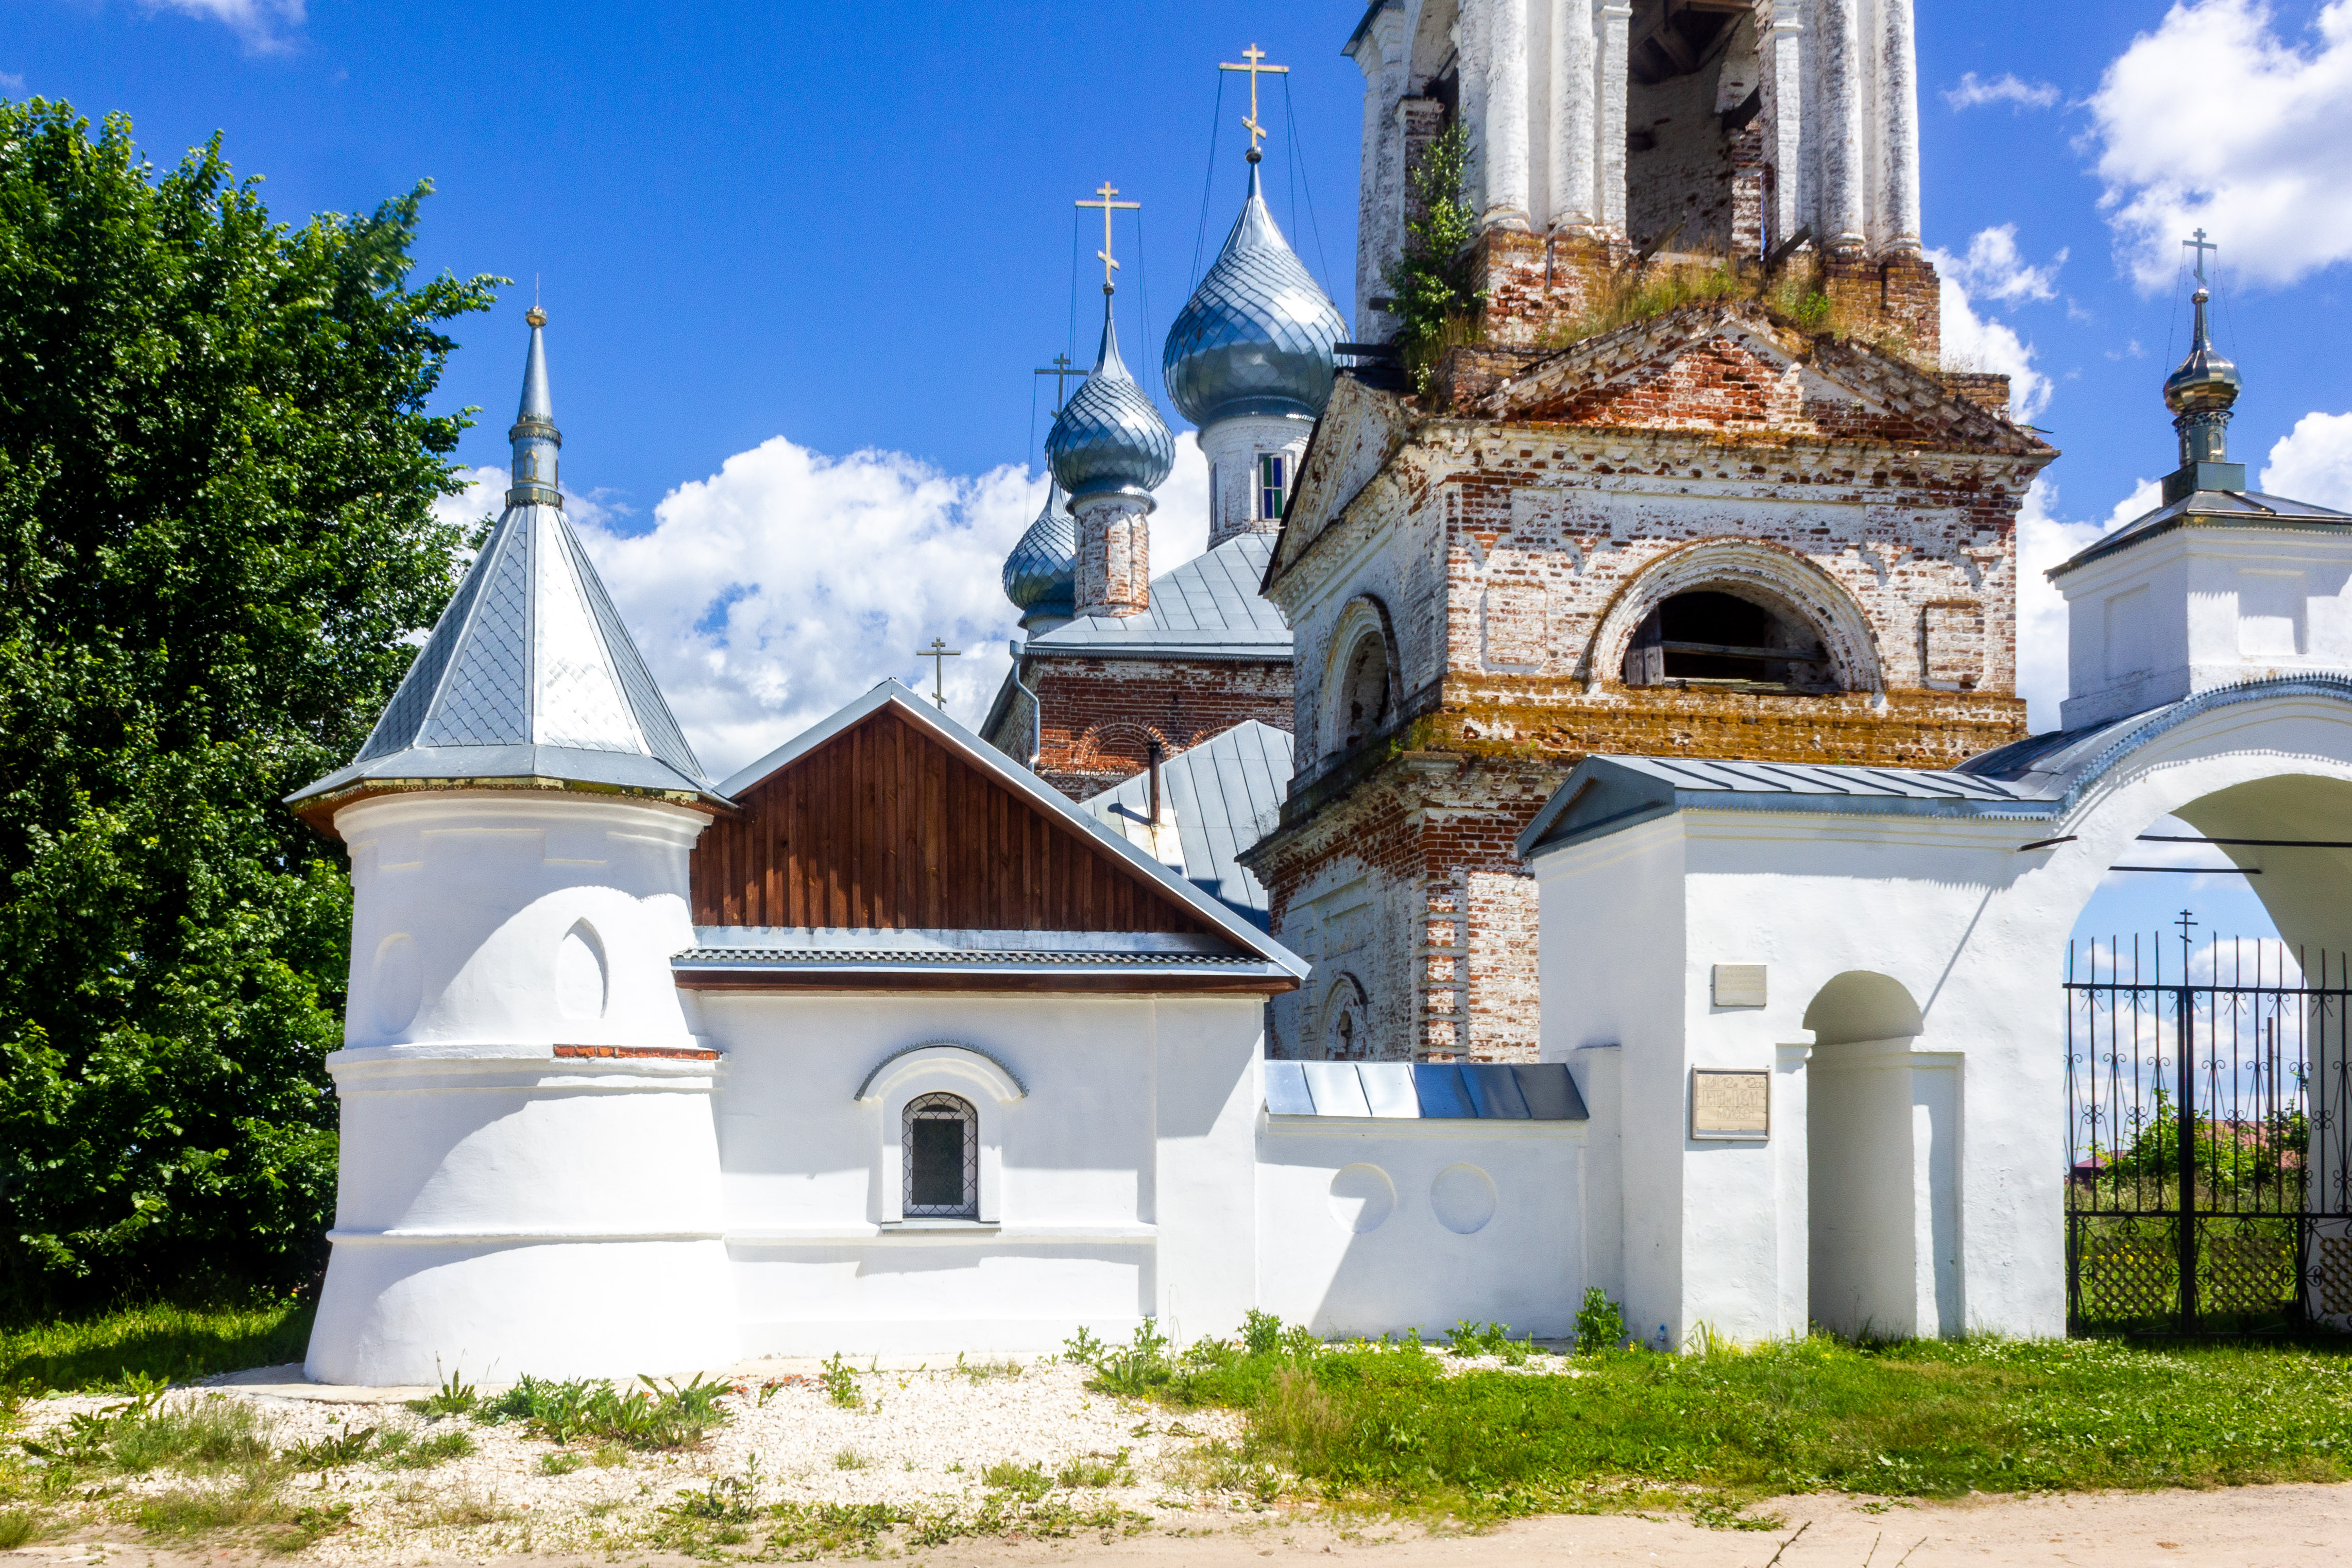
(1208, 184)
(1143, 288)
(1298, 172)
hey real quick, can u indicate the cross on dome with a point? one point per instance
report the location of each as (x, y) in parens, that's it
(1256, 66)
(1109, 206)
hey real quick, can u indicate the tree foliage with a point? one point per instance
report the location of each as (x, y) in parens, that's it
(217, 475)
(1429, 282)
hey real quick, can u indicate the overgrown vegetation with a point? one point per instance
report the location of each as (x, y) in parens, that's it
(1395, 1425)
(1794, 296)
(218, 474)
(1429, 283)
(110, 1353)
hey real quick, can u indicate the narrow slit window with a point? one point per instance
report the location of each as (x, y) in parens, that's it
(1273, 470)
(943, 1159)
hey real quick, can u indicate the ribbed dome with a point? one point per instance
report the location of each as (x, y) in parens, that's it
(2205, 382)
(1109, 439)
(1041, 575)
(1256, 337)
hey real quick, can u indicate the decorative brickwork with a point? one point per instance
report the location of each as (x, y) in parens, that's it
(1514, 555)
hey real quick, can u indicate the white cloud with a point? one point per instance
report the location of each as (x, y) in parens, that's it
(11, 83)
(2215, 121)
(1994, 269)
(1975, 92)
(1973, 344)
(257, 22)
(2313, 462)
(2043, 540)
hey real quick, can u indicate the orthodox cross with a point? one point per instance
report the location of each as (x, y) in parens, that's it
(2187, 922)
(1109, 206)
(1256, 66)
(2200, 247)
(939, 653)
(1061, 371)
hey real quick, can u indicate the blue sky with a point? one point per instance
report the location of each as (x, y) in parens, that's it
(801, 258)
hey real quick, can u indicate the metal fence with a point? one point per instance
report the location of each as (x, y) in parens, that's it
(2209, 1136)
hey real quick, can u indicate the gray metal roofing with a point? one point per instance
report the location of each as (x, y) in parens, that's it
(1227, 793)
(529, 673)
(2218, 508)
(1208, 604)
(1488, 1091)
(752, 950)
(2039, 778)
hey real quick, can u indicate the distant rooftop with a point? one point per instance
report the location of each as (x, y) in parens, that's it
(1210, 604)
(1227, 795)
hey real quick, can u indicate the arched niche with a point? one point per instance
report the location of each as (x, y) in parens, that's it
(1860, 1005)
(1360, 690)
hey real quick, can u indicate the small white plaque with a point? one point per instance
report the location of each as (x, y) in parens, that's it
(1732, 1106)
(1739, 985)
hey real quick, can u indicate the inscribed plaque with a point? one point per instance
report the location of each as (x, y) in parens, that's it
(1731, 1105)
(1738, 985)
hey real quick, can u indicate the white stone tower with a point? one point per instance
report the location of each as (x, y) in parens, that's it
(529, 1177)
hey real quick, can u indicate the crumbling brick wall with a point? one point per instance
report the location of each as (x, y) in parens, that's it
(1101, 716)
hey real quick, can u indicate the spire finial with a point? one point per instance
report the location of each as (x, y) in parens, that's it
(1256, 66)
(535, 437)
(1109, 206)
(2200, 395)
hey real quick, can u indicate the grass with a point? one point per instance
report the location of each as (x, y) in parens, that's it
(1399, 1425)
(660, 1414)
(112, 1351)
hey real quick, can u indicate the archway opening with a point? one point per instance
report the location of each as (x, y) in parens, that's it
(1741, 641)
(1363, 695)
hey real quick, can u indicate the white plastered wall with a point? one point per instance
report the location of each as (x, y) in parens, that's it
(1118, 1172)
(1972, 927)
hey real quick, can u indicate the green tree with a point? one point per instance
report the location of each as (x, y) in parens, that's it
(1429, 282)
(216, 485)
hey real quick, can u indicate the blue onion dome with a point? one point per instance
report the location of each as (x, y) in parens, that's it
(1257, 336)
(1109, 439)
(1041, 575)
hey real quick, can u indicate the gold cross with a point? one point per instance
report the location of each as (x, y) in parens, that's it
(939, 653)
(1061, 370)
(1256, 66)
(1109, 206)
(2200, 244)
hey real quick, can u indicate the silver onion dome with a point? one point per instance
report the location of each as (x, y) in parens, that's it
(1041, 575)
(1257, 336)
(1109, 439)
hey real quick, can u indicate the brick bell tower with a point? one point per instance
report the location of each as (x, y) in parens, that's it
(1740, 528)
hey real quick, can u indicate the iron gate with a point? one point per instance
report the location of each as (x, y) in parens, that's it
(2209, 1137)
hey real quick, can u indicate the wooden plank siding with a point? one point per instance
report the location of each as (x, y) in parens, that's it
(884, 829)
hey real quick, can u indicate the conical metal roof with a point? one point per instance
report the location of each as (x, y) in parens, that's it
(529, 673)
(1257, 337)
(1110, 439)
(1041, 575)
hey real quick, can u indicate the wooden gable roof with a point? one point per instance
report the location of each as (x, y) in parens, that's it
(886, 825)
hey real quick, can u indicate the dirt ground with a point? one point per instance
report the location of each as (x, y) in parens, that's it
(2251, 1527)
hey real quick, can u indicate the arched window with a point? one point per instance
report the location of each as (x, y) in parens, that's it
(1710, 637)
(941, 1158)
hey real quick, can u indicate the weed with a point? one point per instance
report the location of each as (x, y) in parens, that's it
(454, 1397)
(1083, 1349)
(330, 1453)
(850, 1459)
(661, 1415)
(609, 1456)
(1599, 1323)
(770, 1389)
(424, 1453)
(1028, 1482)
(213, 1432)
(464, 1509)
(1261, 1332)
(810, 1529)
(1731, 1513)
(1469, 1338)
(18, 1526)
(1096, 1470)
(561, 1462)
(982, 1371)
(839, 1380)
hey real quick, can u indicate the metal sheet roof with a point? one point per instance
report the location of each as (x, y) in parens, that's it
(1469, 1091)
(1209, 605)
(2210, 508)
(1226, 794)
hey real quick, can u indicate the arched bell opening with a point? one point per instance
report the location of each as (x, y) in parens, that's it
(1744, 640)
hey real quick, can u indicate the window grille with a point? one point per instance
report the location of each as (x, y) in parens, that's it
(1272, 471)
(941, 1158)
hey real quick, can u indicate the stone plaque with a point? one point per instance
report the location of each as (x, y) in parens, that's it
(1738, 985)
(1731, 1105)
